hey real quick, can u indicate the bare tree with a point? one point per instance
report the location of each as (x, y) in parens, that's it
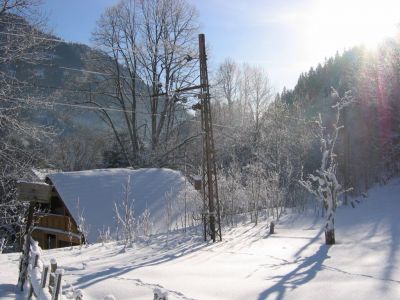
(116, 35)
(227, 80)
(151, 45)
(260, 96)
(81, 150)
(22, 43)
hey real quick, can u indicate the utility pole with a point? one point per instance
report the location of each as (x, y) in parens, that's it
(211, 213)
(211, 208)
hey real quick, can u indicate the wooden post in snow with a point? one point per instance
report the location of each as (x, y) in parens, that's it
(33, 193)
(272, 227)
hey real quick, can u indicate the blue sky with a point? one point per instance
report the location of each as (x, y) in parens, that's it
(285, 37)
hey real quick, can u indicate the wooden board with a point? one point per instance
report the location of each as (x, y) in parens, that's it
(34, 192)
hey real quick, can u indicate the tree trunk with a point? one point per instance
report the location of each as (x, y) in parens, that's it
(330, 236)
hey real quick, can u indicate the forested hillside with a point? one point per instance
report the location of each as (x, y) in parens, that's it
(369, 146)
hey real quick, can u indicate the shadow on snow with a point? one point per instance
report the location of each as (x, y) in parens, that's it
(302, 274)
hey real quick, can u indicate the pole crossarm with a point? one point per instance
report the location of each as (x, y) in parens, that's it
(185, 89)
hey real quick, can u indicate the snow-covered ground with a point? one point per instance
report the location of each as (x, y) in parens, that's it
(294, 263)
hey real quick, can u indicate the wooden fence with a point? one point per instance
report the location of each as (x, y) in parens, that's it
(43, 280)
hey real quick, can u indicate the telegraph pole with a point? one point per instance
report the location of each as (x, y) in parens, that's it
(211, 213)
(211, 207)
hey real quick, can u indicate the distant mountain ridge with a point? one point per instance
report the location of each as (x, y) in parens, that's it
(64, 75)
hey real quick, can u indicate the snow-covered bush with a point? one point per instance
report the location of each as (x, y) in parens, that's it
(144, 224)
(105, 235)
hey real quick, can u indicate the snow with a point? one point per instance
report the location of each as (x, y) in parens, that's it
(42, 173)
(249, 263)
(98, 190)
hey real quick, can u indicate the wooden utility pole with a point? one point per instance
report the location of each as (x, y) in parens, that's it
(211, 213)
(211, 207)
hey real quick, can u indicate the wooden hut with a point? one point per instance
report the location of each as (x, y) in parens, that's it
(54, 225)
(92, 195)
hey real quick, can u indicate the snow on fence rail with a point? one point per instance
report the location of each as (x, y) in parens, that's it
(42, 280)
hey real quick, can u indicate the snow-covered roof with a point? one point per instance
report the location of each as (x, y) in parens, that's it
(41, 174)
(98, 190)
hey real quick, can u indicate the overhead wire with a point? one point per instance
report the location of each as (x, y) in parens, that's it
(116, 110)
(91, 92)
(79, 90)
(83, 106)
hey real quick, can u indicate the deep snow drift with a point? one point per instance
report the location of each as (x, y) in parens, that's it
(249, 264)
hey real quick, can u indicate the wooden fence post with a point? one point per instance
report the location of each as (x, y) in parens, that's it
(32, 267)
(44, 276)
(272, 228)
(26, 248)
(160, 295)
(36, 260)
(53, 268)
(57, 290)
(78, 295)
(35, 264)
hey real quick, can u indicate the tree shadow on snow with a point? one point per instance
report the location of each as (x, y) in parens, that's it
(162, 256)
(312, 241)
(7, 290)
(391, 261)
(302, 274)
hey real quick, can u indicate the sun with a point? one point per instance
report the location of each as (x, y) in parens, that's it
(342, 24)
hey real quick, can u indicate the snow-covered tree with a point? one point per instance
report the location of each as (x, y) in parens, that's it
(82, 224)
(231, 192)
(275, 194)
(144, 222)
(257, 190)
(324, 183)
(124, 213)
(21, 44)
(168, 206)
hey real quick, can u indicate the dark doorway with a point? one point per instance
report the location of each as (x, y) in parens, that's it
(51, 241)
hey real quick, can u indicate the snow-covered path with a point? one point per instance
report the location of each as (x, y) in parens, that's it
(249, 264)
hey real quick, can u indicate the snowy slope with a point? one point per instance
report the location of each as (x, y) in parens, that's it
(98, 190)
(249, 264)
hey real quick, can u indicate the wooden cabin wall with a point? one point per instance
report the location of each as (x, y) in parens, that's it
(58, 220)
(49, 240)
